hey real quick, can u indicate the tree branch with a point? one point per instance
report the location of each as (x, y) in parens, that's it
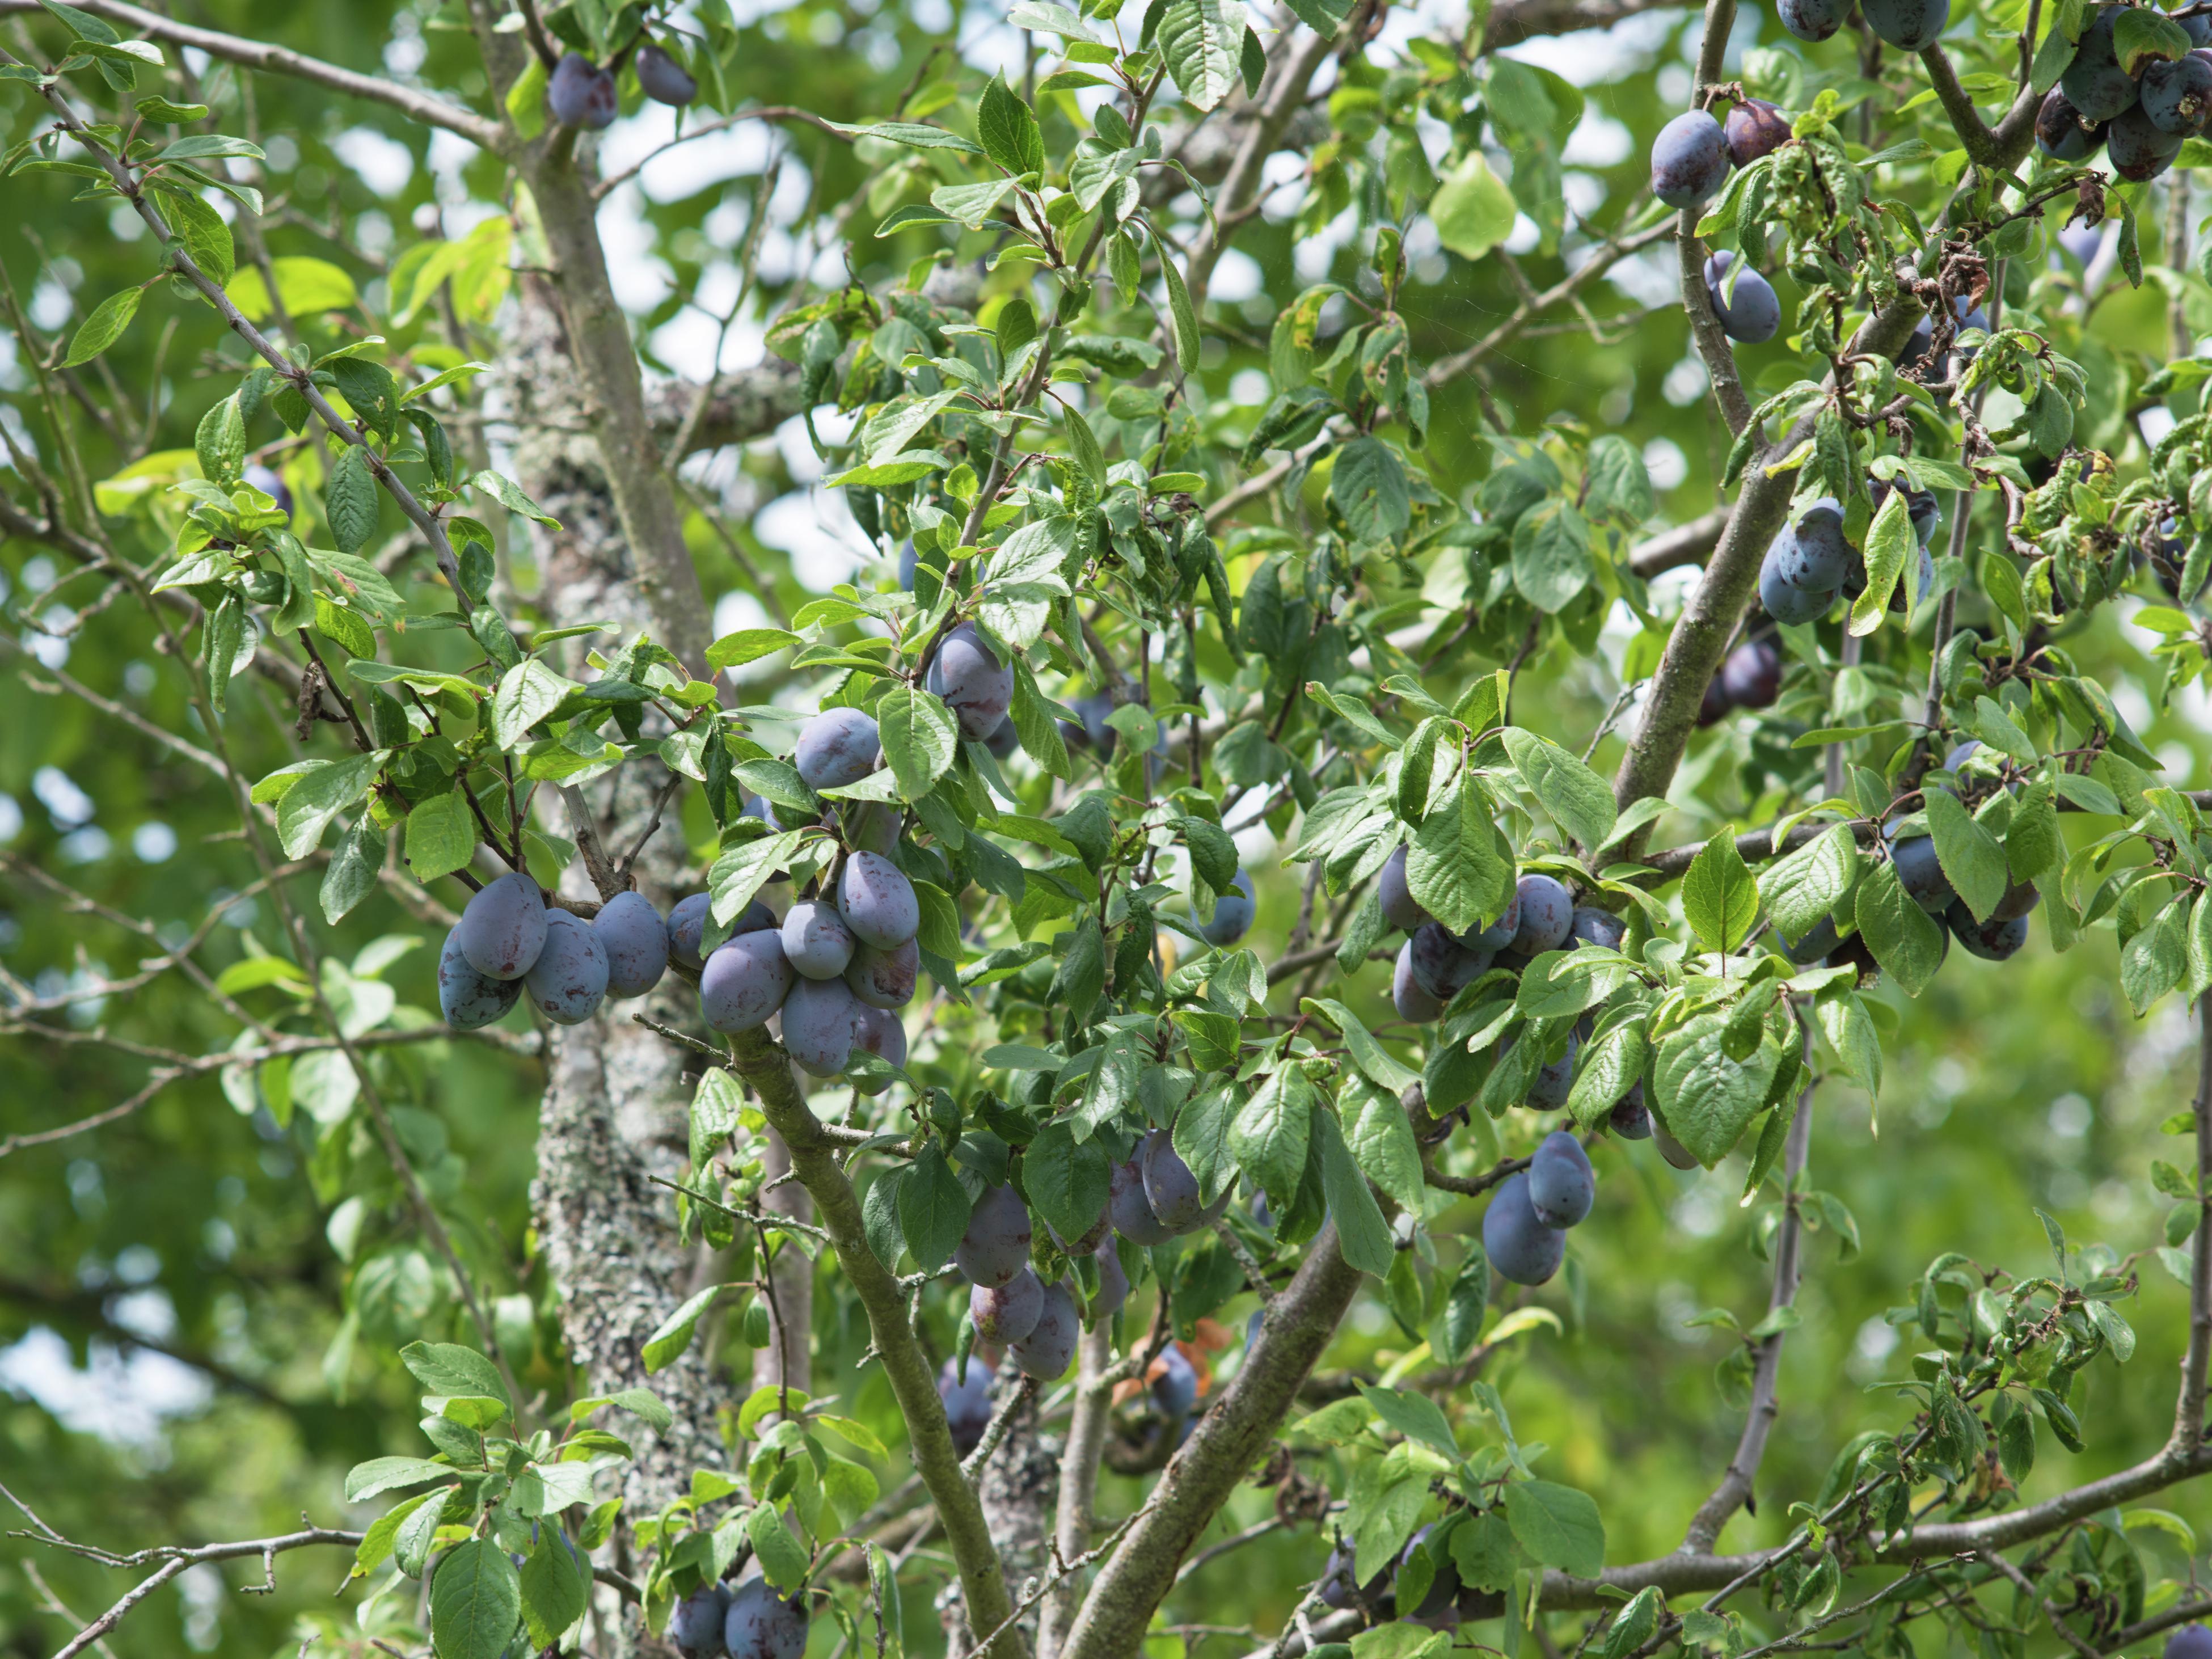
(1686, 544)
(1077, 1497)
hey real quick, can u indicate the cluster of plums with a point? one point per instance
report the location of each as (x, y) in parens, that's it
(581, 94)
(747, 1620)
(1524, 1231)
(1444, 1607)
(1693, 155)
(2140, 120)
(1920, 872)
(509, 940)
(1811, 563)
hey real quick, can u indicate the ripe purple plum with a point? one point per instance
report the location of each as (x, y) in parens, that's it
(1921, 873)
(1689, 159)
(1754, 128)
(582, 94)
(879, 1032)
(1339, 1589)
(1813, 945)
(1498, 935)
(744, 982)
(662, 79)
(837, 747)
(1442, 966)
(876, 902)
(1174, 1381)
(762, 1624)
(873, 826)
(967, 1405)
(1169, 1186)
(1908, 25)
(1751, 675)
(2137, 148)
(975, 686)
(2095, 83)
(816, 939)
(569, 981)
(1749, 309)
(1400, 908)
(470, 1000)
(1991, 940)
(884, 979)
(1408, 995)
(2190, 1642)
(687, 926)
(1596, 926)
(2062, 134)
(1553, 1082)
(1232, 914)
(1519, 1245)
(1812, 20)
(502, 929)
(1049, 1348)
(1561, 1184)
(1113, 1281)
(1547, 914)
(817, 1025)
(1008, 1312)
(1783, 600)
(695, 1627)
(270, 484)
(1631, 1118)
(995, 1247)
(1132, 1211)
(636, 941)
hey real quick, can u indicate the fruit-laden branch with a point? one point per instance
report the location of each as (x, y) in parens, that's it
(755, 1057)
(1706, 333)
(426, 107)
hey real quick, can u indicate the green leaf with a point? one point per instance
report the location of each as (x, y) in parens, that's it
(1804, 887)
(782, 1557)
(441, 835)
(354, 870)
(1557, 1526)
(1579, 801)
(1473, 209)
(2141, 36)
(920, 737)
(527, 693)
(1008, 129)
(932, 1210)
(1889, 541)
(1067, 1180)
(1382, 1140)
(350, 501)
(221, 443)
(1904, 938)
(1551, 554)
(553, 1586)
(1413, 1415)
(1269, 1135)
(476, 1601)
(1704, 1097)
(1202, 41)
(1455, 867)
(1851, 1032)
(1362, 1234)
(1632, 1625)
(382, 1475)
(1606, 1070)
(1720, 897)
(1368, 485)
(668, 1342)
(1180, 310)
(1373, 1060)
(913, 136)
(103, 327)
(1458, 1324)
(448, 1368)
(509, 494)
(2154, 961)
(318, 796)
(1970, 856)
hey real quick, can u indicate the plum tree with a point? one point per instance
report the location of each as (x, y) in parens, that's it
(661, 78)
(582, 94)
(995, 1247)
(884, 979)
(837, 747)
(568, 980)
(1232, 914)
(761, 1623)
(1519, 1244)
(1561, 1184)
(470, 1000)
(975, 684)
(1008, 1312)
(1049, 1348)
(816, 939)
(1908, 25)
(745, 981)
(876, 902)
(1689, 159)
(696, 1626)
(635, 941)
(818, 1025)
(502, 927)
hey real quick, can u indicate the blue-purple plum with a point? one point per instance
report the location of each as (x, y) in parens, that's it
(909, 564)
(1671, 1149)
(837, 747)
(687, 926)
(502, 926)
(762, 1624)
(884, 979)
(1049, 1348)
(1113, 1280)
(470, 1000)
(816, 939)
(2137, 148)
(995, 1247)
(817, 1025)
(1088, 1240)
(745, 981)
(1631, 1118)
(876, 902)
(569, 981)
(1921, 873)
(975, 684)
(1920, 506)
(1400, 908)
(1561, 1184)
(1439, 1608)
(1408, 995)
(1232, 914)
(1991, 940)
(1548, 916)
(1751, 675)
(1132, 1211)
(662, 79)
(1818, 554)
(1339, 1588)
(1442, 966)
(1174, 1381)
(2095, 83)
(1754, 128)
(1908, 25)
(1812, 20)
(2020, 898)
(2061, 133)
(1783, 600)
(1008, 1312)
(1169, 1186)
(1749, 309)
(2190, 1642)
(873, 826)
(582, 94)
(879, 1032)
(695, 1627)
(1498, 935)
(967, 1405)
(1005, 739)
(1518, 1243)
(270, 484)
(1554, 1081)
(1689, 159)
(1813, 945)
(1596, 926)
(759, 806)
(636, 941)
